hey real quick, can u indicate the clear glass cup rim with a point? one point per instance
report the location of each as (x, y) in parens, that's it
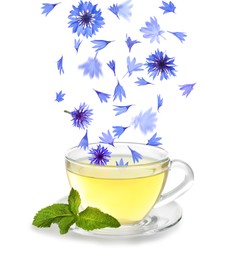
(165, 157)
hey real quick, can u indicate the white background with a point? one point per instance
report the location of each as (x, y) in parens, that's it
(34, 138)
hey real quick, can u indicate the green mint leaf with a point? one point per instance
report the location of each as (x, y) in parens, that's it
(74, 201)
(93, 218)
(51, 214)
(65, 223)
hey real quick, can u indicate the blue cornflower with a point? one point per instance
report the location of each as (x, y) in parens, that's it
(60, 65)
(186, 88)
(112, 66)
(119, 130)
(145, 121)
(135, 155)
(47, 8)
(81, 117)
(160, 102)
(133, 66)
(77, 44)
(85, 19)
(121, 109)
(142, 82)
(119, 92)
(168, 7)
(59, 96)
(100, 44)
(123, 10)
(121, 163)
(160, 64)
(107, 138)
(84, 142)
(154, 140)
(180, 35)
(100, 155)
(152, 30)
(102, 96)
(92, 67)
(130, 42)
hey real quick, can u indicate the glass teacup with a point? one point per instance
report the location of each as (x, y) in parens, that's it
(124, 189)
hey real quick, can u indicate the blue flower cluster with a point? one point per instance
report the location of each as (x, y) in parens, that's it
(86, 19)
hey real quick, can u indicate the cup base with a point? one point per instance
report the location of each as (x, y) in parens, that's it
(159, 219)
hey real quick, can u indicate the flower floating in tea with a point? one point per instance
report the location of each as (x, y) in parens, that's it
(130, 61)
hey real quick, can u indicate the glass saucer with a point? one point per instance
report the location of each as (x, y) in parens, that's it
(159, 219)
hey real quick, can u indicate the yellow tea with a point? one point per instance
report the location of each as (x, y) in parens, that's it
(127, 193)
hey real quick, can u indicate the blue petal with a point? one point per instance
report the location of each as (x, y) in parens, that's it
(102, 96)
(115, 10)
(121, 109)
(180, 35)
(60, 65)
(77, 44)
(133, 66)
(107, 138)
(84, 142)
(145, 121)
(160, 101)
(100, 44)
(121, 163)
(92, 68)
(154, 140)
(135, 155)
(130, 43)
(186, 88)
(118, 130)
(168, 7)
(47, 8)
(142, 82)
(112, 66)
(125, 9)
(59, 96)
(119, 92)
(152, 30)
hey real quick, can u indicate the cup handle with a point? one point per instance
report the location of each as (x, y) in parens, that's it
(184, 186)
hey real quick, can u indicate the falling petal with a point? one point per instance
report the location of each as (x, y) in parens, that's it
(160, 102)
(118, 130)
(107, 138)
(100, 44)
(142, 82)
(135, 155)
(121, 109)
(114, 9)
(59, 96)
(186, 88)
(145, 121)
(77, 44)
(119, 92)
(133, 66)
(180, 35)
(47, 8)
(92, 67)
(84, 142)
(154, 140)
(112, 66)
(168, 7)
(102, 96)
(60, 65)
(152, 30)
(130, 42)
(125, 9)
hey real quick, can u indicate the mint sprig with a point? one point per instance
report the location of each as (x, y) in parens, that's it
(66, 215)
